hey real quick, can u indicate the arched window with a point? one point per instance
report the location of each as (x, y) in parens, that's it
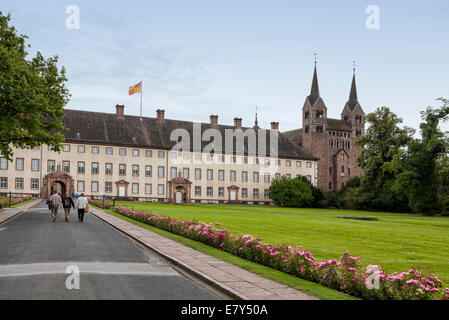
(342, 157)
(342, 169)
(306, 129)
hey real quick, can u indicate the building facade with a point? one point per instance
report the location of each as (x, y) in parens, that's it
(331, 140)
(123, 156)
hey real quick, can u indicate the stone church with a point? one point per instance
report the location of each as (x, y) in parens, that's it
(331, 140)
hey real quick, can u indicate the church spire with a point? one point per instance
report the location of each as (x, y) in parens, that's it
(256, 126)
(314, 91)
(353, 94)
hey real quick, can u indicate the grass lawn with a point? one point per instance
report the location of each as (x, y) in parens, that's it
(397, 242)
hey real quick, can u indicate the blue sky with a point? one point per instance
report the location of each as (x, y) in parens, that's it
(204, 57)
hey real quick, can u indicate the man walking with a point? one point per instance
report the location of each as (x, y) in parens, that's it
(67, 203)
(81, 205)
(55, 202)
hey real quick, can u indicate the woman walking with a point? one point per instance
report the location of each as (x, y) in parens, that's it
(81, 205)
(67, 204)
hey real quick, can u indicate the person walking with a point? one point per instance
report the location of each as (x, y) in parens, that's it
(81, 205)
(67, 204)
(55, 202)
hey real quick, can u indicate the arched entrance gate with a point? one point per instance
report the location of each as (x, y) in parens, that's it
(179, 190)
(57, 181)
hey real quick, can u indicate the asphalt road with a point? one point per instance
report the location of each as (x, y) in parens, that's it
(35, 254)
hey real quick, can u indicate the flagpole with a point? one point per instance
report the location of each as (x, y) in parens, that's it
(141, 93)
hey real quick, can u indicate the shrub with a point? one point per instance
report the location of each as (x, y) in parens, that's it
(291, 192)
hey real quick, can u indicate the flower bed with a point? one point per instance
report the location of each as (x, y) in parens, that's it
(5, 203)
(345, 274)
(99, 204)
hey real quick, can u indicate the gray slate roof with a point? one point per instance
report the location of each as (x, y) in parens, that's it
(145, 132)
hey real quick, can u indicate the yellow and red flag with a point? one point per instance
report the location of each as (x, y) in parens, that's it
(135, 88)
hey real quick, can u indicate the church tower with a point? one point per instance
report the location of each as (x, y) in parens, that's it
(353, 112)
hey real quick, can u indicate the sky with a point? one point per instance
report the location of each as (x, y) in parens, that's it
(203, 57)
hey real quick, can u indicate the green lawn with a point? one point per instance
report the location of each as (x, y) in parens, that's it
(397, 242)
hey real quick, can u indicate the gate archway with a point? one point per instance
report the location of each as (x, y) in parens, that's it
(59, 181)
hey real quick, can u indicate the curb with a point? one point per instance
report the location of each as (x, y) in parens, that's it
(20, 211)
(214, 283)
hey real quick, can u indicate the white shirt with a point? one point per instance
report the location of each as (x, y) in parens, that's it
(81, 203)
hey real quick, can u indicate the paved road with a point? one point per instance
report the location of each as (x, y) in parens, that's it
(34, 255)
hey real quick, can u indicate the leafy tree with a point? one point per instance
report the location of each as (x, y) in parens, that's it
(317, 193)
(32, 95)
(291, 192)
(419, 175)
(383, 139)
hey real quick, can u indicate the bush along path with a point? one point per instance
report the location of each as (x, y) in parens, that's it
(345, 274)
(5, 202)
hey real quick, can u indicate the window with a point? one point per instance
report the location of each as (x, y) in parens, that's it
(108, 187)
(330, 170)
(108, 169)
(221, 158)
(81, 149)
(244, 176)
(267, 162)
(277, 176)
(148, 188)
(244, 193)
(161, 154)
(298, 164)
(198, 156)
(197, 174)
(210, 174)
(160, 189)
(255, 193)
(255, 160)
(210, 157)
(266, 177)
(81, 166)
(173, 172)
(288, 176)
(19, 164)
(94, 186)
(19, 183)
(185, 156)
(95, 168)
(80, 186)
(3, 164)
(135, 188)
(233, 175)
(185, 173)
(3, 183)
(308, 164)
(135, 152)
(148, 171)
(109, 150)
(51, 165)
(309, 178)
(95, 149)
(122, 151)
(342, 157)
(255, 177)
(173, 155)
(221, 192)
(135, 168)
(34, 184)
(122, 169)
(234, 159)
(66, 166)
(34, 164)
(288, 163)
(245, 160)
(266, 193)
(210, 191)
(349, 171)
(342, 169)
(161, 172)
(220, 175)
(148, 153)
(197, 191)
(66, 148)
(278, 162)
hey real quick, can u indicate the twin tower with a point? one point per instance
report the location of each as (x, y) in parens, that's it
(331, 140)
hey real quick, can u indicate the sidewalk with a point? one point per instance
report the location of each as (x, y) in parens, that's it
(10, 213)
(238, 283)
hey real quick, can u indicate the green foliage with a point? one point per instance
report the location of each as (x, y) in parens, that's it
(419, 179)
(291, 192)
(32, 95)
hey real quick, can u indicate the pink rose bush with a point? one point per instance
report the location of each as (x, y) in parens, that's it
(345, 274)
(99, 204)
(5, 203)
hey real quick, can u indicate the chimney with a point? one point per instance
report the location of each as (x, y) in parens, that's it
(214, 121)
(120, 111)
(275, 126)
(238, 123)
(160, 115)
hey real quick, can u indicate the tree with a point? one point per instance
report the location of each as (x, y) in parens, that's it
(383, 139)
(290, 192)
(419, 177)
(32, 95)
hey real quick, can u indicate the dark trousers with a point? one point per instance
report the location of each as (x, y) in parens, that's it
(81, 214)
